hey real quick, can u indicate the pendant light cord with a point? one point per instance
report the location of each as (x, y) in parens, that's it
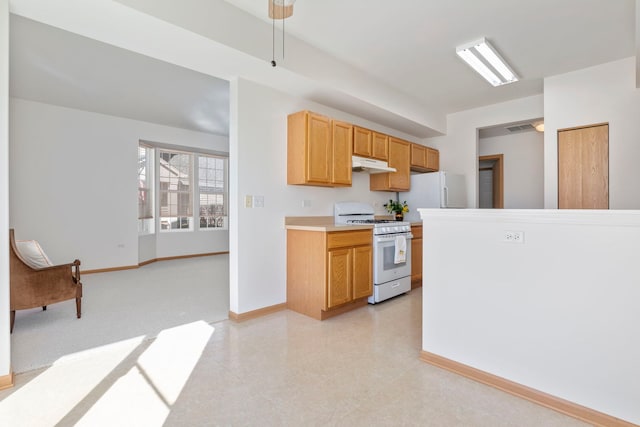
(273, 36)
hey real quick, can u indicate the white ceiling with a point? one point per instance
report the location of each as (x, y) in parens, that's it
(406, 45)
(410, 44)
(58, 67)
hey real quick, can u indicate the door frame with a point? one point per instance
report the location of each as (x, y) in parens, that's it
(498, 178)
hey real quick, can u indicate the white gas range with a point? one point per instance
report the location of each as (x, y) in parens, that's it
(391, 249)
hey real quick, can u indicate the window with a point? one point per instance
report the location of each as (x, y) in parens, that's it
(212, 190)
(176, 190)
(172, 174)
(146, 162)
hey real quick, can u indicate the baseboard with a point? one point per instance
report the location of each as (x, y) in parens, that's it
(566, 407)
(143, 263)
(6, 381)
(106, 270)
(256, 313)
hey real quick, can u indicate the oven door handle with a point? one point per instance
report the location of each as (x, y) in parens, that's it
(392, 238)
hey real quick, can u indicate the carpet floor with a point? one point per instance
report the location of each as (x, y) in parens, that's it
(120, 305)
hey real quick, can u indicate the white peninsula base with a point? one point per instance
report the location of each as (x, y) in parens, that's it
(541, 303)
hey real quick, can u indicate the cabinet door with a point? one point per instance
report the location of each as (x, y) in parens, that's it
(433, 159)
(319, 159)
(362, 142)
(362, 271)
(399, 158)
(416, 262)
(342, 142)
(418, 156)
(380, 146)
(340, 270)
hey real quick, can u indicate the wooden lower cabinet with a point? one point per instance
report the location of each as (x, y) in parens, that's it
(328, 273)
(416, 256)
(339, 287)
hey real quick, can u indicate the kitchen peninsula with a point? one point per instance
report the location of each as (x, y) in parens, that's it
(544, 304)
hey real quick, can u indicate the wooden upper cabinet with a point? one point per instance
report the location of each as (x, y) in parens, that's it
(367, 143)
(380, 145)
(433, 159)
(342, 142)
(362, 142)
(399, 158)
(318, 150)
(424, 159)
(418, 156)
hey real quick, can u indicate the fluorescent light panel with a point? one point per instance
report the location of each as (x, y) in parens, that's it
(483, 58)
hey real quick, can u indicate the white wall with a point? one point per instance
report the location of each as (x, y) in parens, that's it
(458, 148)
(523, 167)
(558, 313)
(259, 167)
(72, 181)
(602, 94)
(5, 350)
(332, 79)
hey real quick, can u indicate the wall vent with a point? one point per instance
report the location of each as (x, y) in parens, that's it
(520, 128)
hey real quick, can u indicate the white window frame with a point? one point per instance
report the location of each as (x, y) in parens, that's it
(221, 219)
(147, 224)
(176, 193)
(194, 218)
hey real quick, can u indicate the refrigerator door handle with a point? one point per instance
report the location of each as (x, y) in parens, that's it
(445, 197)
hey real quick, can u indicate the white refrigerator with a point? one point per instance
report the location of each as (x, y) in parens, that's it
(434, 190)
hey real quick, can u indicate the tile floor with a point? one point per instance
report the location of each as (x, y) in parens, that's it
(284, 369)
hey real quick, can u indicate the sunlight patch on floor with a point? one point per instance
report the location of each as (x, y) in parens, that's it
(54, 393)
(144, 395)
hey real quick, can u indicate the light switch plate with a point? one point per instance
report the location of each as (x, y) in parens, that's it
(258, 201)
(248, 201)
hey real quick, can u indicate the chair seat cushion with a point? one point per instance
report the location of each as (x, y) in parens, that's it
(33, 254)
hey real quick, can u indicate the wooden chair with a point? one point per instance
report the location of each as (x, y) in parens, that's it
(38, 287)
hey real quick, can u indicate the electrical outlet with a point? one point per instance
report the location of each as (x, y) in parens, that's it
(258, 201)
(248, 201)
(513, 237)
(306, 203)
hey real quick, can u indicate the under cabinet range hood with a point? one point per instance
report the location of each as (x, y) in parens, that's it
(370, 165)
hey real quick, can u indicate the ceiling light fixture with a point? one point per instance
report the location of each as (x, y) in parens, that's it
(539, 126)
(483, 58)
(279, 9)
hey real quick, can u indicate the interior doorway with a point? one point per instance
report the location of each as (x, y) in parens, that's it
(491, 181)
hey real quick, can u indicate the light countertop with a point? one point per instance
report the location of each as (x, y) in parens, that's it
(319, 223)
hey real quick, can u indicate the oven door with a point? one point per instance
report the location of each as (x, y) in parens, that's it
(384, 268)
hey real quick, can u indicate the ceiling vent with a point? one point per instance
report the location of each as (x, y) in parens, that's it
(520, 128)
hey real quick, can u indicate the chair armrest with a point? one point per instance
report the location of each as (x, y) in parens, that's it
(73, 266)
